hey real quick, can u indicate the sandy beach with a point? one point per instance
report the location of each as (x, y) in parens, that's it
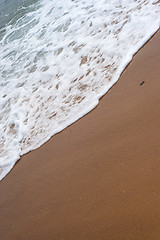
(99, 179)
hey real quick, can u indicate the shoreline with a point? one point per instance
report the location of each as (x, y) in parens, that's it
(99, 177)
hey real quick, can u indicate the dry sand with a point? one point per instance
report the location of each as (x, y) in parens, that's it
(100, 178)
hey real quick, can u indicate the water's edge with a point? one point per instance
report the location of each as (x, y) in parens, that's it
(123, 66)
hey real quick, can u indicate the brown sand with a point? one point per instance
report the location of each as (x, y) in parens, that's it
(100, 178)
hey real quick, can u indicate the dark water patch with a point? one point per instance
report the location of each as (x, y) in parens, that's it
(12, 10)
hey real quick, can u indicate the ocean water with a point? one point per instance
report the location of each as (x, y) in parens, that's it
(57, 59)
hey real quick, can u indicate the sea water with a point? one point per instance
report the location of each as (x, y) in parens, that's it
(57, 59)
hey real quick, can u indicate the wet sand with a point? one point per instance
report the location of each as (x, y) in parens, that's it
(99, 179)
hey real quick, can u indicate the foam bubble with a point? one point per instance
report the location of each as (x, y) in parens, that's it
(57, 59)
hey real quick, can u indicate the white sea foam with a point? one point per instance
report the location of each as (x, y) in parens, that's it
(58, 59)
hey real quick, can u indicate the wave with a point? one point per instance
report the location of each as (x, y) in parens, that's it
(58, 58)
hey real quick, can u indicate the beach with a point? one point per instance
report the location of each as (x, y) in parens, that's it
(98, 178)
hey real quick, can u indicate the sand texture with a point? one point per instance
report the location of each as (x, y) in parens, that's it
(99, 179)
